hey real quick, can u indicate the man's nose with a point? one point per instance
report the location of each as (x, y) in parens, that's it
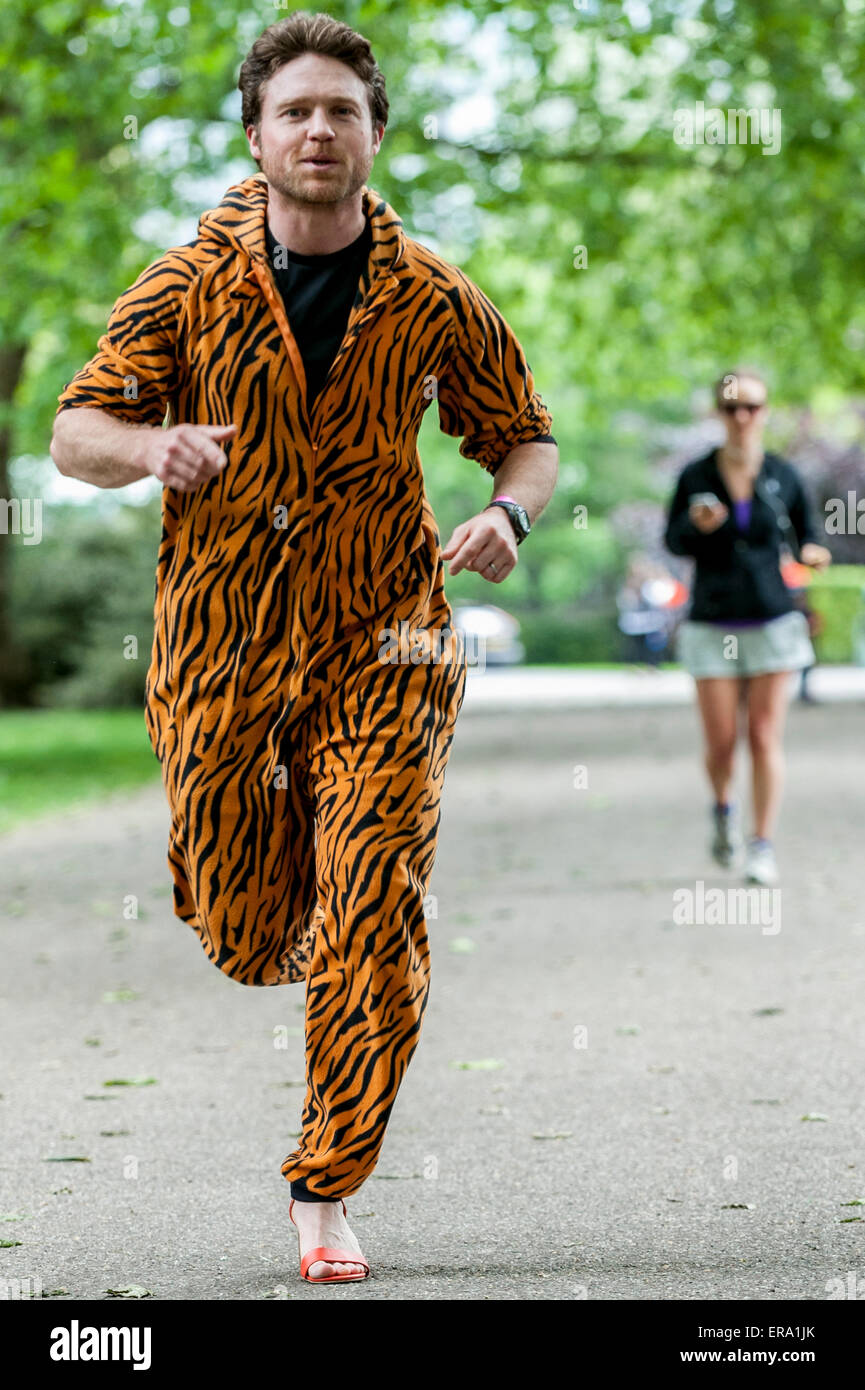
(319, 127)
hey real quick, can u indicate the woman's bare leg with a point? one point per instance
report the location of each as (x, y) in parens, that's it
(718, 702)
(768, 701)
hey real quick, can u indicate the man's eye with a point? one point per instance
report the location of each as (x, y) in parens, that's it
(298, 110)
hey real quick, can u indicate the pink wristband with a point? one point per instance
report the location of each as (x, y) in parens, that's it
(502, 497)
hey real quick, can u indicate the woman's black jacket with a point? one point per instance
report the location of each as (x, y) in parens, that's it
(738, 574)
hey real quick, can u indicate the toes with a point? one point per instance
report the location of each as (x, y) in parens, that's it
(323, 1270)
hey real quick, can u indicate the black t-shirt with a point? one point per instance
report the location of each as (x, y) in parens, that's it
(318, 292)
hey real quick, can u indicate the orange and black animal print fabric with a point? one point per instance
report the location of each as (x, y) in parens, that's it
(303, 769)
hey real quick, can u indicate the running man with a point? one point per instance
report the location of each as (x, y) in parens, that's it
(272, 374)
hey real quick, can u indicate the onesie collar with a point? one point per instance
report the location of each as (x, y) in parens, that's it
(239, 222)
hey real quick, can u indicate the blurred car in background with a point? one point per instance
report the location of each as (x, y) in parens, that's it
(492, 636)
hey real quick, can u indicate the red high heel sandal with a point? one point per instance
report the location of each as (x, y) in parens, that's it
(322, 1252)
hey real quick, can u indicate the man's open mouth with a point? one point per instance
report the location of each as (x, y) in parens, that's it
(320, 163)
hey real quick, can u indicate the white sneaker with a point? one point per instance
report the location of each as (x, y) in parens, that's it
(760, 866)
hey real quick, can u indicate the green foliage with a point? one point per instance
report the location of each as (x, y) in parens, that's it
(84, 599)
(838, 596)
(88, 87)
(119, 125)
(54, 758)
(560, 638)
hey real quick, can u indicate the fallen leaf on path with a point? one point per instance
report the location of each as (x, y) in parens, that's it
(129, 1291)
(815, 1116)
(558, 1134)
(484, 1064)
(71, 1159)
(132, 1081)
(462, 945)
(738, 1206)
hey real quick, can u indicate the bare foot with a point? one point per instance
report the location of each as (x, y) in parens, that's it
(324, 1223)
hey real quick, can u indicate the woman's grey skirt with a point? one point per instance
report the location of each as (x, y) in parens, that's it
(779, 644)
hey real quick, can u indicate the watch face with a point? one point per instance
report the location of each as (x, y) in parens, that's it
(518, 517)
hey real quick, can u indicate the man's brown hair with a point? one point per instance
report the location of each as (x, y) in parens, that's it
(302, 32)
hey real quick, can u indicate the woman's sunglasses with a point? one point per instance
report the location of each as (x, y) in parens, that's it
(730, 407)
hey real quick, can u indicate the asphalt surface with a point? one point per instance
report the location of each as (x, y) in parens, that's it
(640, 1134)
(504, 688)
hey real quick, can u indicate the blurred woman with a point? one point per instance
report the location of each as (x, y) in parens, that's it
(733, 509)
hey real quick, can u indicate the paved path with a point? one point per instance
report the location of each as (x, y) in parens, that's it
(665, 1159)
(557, 687)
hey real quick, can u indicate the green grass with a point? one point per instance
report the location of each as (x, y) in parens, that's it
(50, 759)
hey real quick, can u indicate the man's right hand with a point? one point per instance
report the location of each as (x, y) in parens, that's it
(184, 456)
(708, 519)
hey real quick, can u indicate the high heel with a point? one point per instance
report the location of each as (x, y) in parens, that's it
(332, 1256)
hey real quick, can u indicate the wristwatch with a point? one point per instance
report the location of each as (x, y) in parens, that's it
(519, 517)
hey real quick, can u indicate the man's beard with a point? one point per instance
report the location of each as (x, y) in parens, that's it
(298, 184)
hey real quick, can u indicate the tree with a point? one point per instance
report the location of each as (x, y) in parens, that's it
(633, 265)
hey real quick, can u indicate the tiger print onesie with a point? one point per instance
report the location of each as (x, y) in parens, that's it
(303, 769)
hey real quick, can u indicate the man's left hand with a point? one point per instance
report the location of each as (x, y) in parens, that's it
(485, 539)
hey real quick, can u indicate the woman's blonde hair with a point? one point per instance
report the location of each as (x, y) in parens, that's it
(727, 386)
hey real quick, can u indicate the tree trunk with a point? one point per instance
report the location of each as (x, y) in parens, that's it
(12, 663)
